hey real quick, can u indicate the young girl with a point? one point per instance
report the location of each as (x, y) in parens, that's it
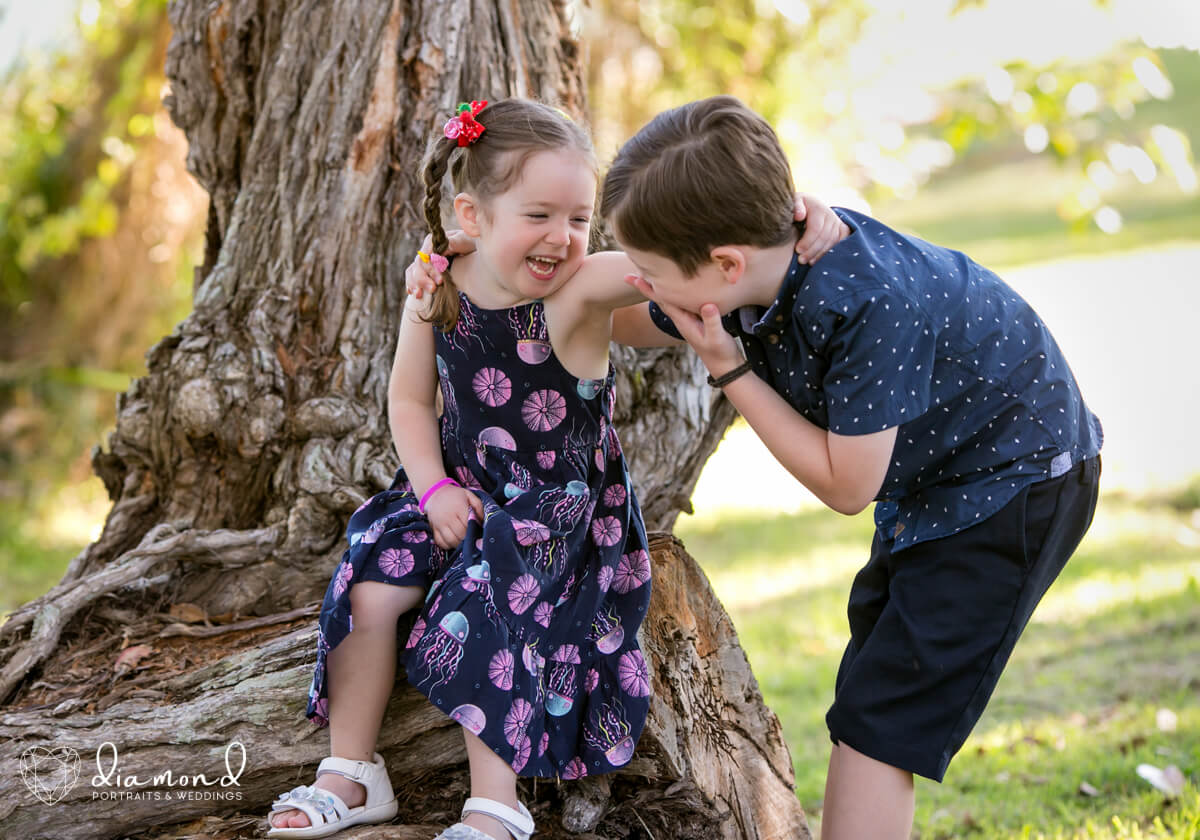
(512, 524)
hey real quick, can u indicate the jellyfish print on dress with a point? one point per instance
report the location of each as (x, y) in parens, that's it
(535, 664)
(589, 388)
(607, 731)
(478, 579)
(441, 649)
(533, 341)
(562, 507)
(549, 556)
(372, 533)
(606, 630)
(571, 587)
(470, 716)
(466, 330)
(560, 685)
(521, 481)
(449, 421)
(495, 438)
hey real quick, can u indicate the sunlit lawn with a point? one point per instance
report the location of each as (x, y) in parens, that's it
(1115, 641)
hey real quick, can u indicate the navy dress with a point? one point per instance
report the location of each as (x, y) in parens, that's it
(528, 634)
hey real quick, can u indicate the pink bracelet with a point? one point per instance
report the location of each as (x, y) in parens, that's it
(438, 485)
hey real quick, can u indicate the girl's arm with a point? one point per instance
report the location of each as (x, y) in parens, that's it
(633, 327)
(412, 417)
(412, 391)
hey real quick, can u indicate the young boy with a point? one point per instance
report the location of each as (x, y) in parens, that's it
(891, 370)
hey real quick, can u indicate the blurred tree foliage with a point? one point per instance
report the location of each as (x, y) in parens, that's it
(794, 61)
(98, 221)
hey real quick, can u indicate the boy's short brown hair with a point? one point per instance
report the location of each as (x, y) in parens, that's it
(699, 176)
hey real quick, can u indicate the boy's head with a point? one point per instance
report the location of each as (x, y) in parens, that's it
(706, 174)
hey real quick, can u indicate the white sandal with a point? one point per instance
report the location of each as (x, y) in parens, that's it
(327, 812)
(519, 823)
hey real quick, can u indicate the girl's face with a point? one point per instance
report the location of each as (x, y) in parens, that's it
(533, 237)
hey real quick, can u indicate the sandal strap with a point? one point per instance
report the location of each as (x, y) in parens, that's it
(314, 802)
(518, 822)
(354, 770)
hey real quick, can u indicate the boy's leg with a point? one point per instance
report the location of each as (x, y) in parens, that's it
(865, 798)
(932, 628)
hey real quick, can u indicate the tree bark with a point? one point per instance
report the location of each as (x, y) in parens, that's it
(261, 425)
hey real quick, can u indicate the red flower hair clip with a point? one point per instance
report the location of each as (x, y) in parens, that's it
(463, 125)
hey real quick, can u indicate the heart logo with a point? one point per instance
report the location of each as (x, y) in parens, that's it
(48, 774)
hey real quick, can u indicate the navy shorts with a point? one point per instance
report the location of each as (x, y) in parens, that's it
(932, 626)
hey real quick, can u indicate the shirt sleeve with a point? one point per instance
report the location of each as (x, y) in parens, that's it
(661, 321)
(881, 350)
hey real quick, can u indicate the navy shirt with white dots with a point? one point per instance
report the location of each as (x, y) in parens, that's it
(890, 330)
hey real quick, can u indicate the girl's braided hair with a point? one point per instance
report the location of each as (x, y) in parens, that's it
(514, 129)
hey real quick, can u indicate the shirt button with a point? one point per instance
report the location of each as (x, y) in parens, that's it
(773, 338)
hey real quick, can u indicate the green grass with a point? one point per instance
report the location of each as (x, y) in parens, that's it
(38, 540)
(990, 216)
(1113, 642)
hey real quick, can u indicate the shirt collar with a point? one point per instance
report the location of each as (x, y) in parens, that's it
(779, 312)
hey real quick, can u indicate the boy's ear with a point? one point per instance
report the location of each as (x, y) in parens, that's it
(467, 211)
(730, 260)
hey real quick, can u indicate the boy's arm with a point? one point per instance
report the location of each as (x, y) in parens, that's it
(843, 471)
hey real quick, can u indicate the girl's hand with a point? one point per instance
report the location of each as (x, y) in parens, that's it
(822, 228)
(448, 511)
(421, 276)
(718, 350)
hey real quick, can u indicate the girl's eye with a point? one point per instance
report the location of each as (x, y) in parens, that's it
(537, 215)
(582, 221)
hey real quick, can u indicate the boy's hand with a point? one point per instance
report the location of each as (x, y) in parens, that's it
(449, 510)
(718, 350)
(421, 276)
(822, 228)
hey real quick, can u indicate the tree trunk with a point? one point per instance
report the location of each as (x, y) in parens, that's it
(261, 425)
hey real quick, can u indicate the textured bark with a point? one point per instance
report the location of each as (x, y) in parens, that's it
(261, 425)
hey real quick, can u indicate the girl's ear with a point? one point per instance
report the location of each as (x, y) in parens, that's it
(467, 211)
(731, 261)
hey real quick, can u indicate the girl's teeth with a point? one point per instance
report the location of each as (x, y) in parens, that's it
(540, 266)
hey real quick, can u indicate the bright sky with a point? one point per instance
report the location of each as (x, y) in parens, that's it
(911, 41)
(25, 25)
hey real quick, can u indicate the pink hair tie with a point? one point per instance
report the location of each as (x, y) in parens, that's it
(438, 485)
